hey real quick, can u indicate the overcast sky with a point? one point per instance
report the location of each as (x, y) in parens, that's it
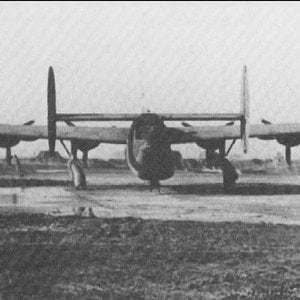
(168, 57)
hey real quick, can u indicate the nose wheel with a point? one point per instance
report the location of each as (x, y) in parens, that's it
(154, 184)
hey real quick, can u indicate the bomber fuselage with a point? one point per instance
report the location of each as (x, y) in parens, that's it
(148, 153)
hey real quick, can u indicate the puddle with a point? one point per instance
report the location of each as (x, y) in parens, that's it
(122, 195)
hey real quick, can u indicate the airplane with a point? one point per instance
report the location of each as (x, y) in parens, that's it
(148, 140)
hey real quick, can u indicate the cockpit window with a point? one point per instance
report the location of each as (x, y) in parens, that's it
(145, 125)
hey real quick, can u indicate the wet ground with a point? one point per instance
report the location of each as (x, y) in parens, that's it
(187, 196)
(119, 241)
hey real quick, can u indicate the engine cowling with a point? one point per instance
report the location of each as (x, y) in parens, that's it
(288, 141)
(212, 146)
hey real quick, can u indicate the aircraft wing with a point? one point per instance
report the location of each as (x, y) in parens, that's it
(210, 133)
(177, 135)
(112, 135)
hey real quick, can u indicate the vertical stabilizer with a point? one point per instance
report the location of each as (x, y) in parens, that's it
(51, 99)
(245, 112)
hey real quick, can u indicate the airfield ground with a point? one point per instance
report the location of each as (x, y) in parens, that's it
(119, 241)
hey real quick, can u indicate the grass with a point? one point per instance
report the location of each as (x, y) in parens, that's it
(45, 257)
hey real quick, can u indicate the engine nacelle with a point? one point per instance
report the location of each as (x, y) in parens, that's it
(288, 141)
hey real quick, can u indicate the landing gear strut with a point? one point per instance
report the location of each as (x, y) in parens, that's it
(8, 156)
(85, 159)
(76, 172)
(230, 175)
(154, 183)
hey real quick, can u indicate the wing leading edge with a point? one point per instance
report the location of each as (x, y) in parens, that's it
(208, 133)
(111, 135)
(179, 135)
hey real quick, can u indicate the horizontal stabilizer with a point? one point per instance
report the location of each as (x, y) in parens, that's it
(165, 117)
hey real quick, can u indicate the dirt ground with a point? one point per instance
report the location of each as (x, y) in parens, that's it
(187, 196)
(73, 257)
(191, 241)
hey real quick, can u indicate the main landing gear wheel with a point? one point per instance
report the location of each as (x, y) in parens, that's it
(229, 175)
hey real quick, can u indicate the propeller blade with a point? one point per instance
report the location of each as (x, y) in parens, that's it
(266, 122)
(288, 155)
(29, 123)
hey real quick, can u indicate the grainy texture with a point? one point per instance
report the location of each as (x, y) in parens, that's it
(43, 257)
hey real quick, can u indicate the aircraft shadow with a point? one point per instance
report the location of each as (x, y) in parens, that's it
(209, 189)
(180, 189)
(32, 182)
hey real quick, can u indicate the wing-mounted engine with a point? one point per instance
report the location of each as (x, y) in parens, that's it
(212, 146)
(8, 142)
(83, 145)
(288, 141)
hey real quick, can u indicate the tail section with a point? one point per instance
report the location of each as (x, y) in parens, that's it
(245, 112)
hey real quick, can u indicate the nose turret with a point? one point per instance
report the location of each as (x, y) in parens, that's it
(148, 153)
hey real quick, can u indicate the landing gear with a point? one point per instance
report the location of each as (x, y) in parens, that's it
(74, 149)
(77, 174)
(75, 168)
(154, 183)
(229, 175)
(17, 165)
(85, 159)
(8, 157)
(85, 151)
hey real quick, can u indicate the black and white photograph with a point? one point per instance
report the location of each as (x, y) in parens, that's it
(148, 150)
